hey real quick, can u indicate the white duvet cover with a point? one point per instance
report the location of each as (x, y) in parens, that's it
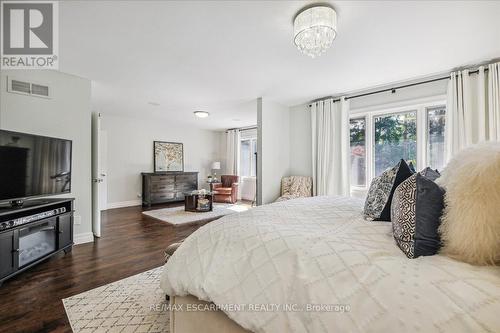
(335, 271)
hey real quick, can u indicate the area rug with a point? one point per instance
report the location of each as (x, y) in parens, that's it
(177, 215)
(134, 304)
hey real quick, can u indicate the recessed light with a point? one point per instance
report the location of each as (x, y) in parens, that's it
(201, 114)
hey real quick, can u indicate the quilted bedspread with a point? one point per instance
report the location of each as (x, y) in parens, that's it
(334, 271)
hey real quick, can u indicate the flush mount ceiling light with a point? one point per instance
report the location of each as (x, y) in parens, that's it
(314, 30)
(201, 114)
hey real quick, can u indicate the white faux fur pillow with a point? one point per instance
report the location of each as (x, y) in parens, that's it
(470, 228)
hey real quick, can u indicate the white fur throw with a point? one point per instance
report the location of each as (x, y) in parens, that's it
(470, 228)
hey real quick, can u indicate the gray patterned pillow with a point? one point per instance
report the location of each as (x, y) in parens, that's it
(379, 192)
(416, 211)
(430, 174)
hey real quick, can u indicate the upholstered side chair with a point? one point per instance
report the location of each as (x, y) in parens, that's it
(227, 189)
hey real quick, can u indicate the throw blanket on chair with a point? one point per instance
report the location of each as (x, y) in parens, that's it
(295, 187)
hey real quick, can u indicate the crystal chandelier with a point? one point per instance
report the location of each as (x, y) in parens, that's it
(314, 30)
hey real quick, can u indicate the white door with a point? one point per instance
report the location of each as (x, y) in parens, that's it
(96, 174)
(103, 162)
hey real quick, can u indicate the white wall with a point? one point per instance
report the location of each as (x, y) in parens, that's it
(130, 152)
(66, 115)
(300, 121)
(300, 141)
(273, 122)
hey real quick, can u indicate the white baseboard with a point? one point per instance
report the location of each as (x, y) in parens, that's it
(122, 204)
(86, 237)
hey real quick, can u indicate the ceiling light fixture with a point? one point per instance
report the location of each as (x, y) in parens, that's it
(314, 30)
(201, 114)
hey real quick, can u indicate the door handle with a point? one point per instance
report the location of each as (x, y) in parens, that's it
(97, 180)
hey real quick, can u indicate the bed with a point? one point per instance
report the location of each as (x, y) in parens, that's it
(315, 265)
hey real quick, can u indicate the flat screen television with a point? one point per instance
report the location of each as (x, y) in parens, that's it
(33, 166)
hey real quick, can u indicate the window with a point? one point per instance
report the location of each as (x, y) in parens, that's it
(358, 151)
(435, 137)
(395, 139)
(248, 147)
(380, 138)
(245, 158)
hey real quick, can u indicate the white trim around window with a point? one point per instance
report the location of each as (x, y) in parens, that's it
(420, 106)
(251, 158)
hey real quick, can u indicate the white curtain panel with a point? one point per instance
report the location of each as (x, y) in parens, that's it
(473, 110)
(232, 151)
(494, 101)
(330, 147)
(457, 113)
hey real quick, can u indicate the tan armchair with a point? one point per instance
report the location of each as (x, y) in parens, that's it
(293, 187)
(227, 189)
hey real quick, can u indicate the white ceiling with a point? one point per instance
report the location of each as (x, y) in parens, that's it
(219, 56)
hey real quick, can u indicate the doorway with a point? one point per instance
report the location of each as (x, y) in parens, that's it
(99, 173)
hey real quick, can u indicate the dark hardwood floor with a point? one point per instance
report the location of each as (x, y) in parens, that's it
(31, 301)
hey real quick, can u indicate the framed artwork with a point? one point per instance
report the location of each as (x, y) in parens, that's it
(168, 156)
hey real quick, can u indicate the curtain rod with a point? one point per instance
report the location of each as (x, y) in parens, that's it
(242, 128)
(393, 89)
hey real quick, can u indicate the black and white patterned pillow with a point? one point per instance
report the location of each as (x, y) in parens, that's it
(416, 210)
(379, 197)
(378, 194)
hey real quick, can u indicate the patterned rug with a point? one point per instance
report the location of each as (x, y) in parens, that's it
(134, 304)
(177, 215)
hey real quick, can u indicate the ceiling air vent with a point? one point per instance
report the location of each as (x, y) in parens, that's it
(37, 89)
(20, 87)
(28, 88)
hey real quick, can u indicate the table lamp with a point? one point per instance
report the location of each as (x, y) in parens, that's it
(215, 166)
